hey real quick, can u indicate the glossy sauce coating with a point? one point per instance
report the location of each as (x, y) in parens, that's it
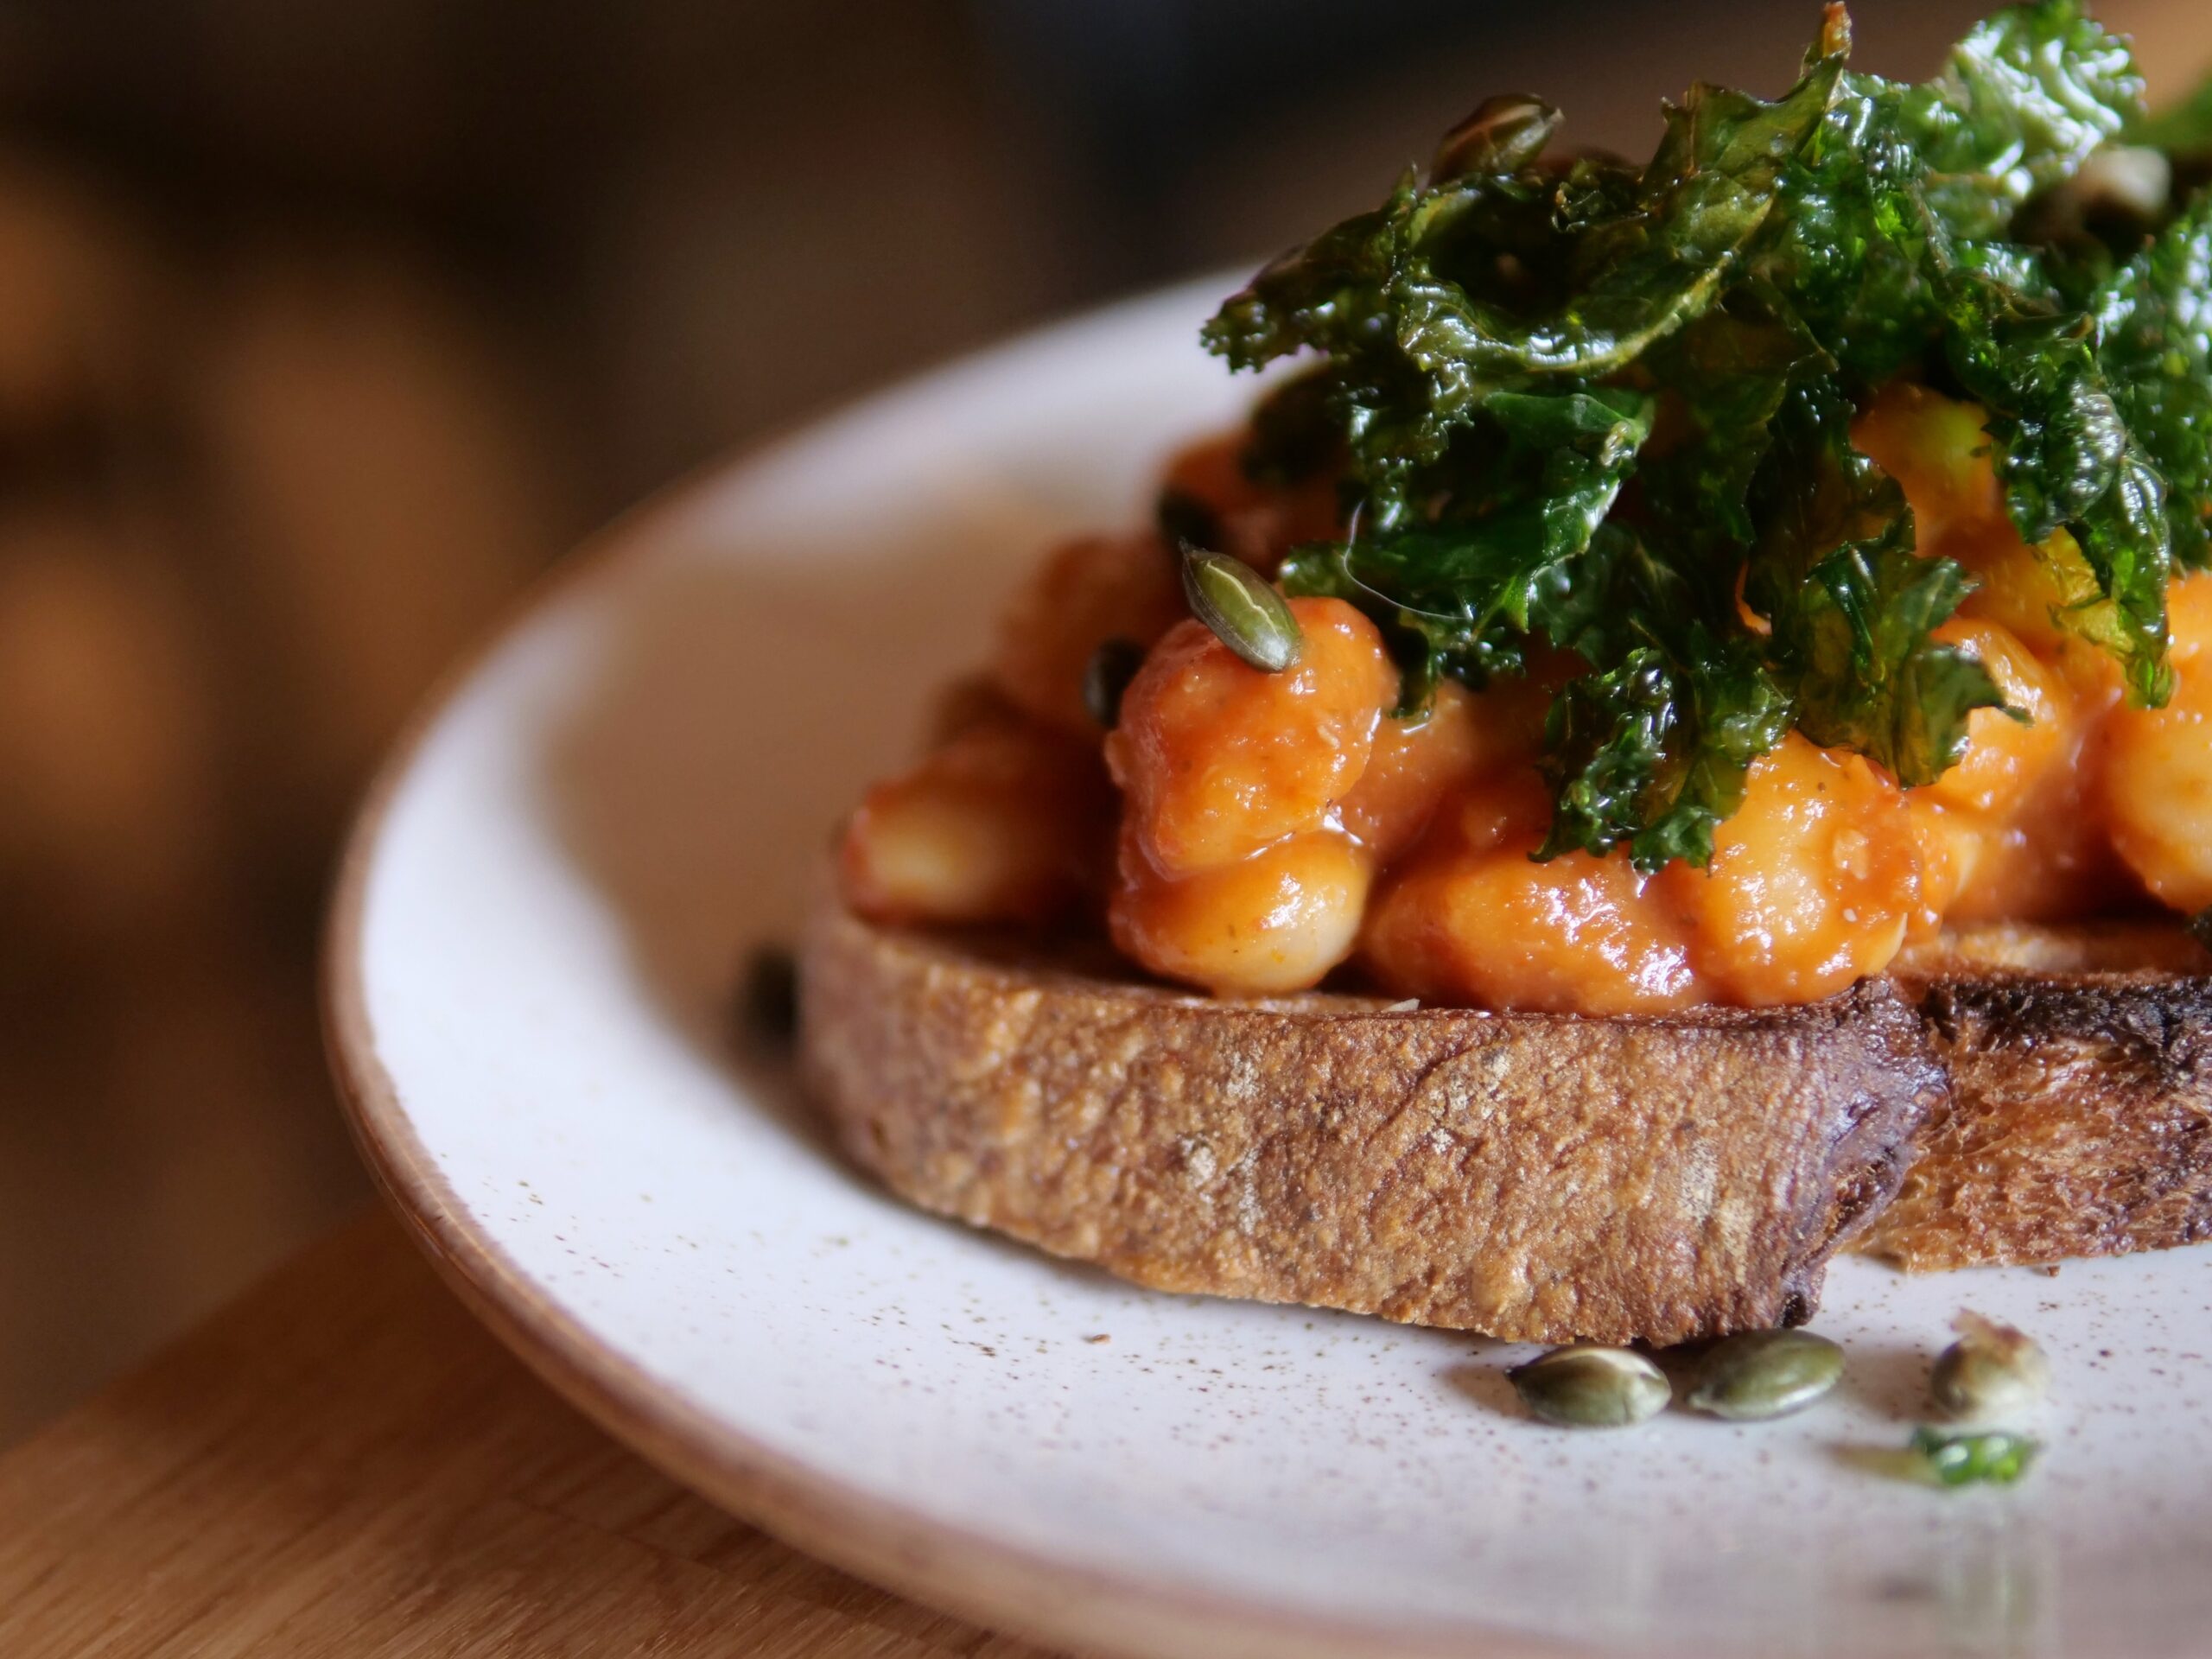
(2158, 775)
(1007, 822)
(1812, 882)
(1472, 917)
(1258, 523)
(1235, 873)
(1276, 920)
(2044, 852)
(1272, 828)
(1417, 760)
(1218, 759)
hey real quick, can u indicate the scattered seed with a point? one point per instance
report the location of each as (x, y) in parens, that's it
(1992, 1372)
(1504, 134)
(1586, 1386)
(1244, 612)
(1756, 1375)
(1996, 1457)
(1112, 666)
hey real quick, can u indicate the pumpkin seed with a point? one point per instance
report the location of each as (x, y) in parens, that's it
(1244, 612)
(1107, 676)
(1504, 134)
(1755, 1375)
(1998, 1459)
(1586, 1386)
(1992, 1372)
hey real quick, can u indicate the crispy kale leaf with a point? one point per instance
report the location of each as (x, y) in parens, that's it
(2154, 318)
(2025, 98)
(1852, 606)
(2068, 460)
(1586, 407)
(1897, 174)
(1468, 587)
(1652, 750)
(1424, 306)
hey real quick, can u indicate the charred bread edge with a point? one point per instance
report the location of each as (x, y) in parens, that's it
(2078, 1120)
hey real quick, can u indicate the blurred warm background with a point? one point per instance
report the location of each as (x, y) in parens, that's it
(324, 328)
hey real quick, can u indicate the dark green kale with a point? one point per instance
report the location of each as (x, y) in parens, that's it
(2068, 461)
(1587, 407)
(2025, 99)
(1650, 750)
(1852, 606)
(1423, 307)
(1727, 377)
(1545, 472)
(2154, 320)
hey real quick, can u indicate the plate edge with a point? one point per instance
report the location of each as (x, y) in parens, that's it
(993, 1584)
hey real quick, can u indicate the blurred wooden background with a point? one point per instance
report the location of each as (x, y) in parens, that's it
(323, 330)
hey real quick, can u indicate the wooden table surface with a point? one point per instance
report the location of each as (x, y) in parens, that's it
(344, 1462)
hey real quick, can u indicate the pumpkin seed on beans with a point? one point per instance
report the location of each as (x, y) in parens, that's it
(1756, 1375)
(1107, 676)
(1504, 134)
(1245, 612)
(1992, 1372)
(1588, 1386)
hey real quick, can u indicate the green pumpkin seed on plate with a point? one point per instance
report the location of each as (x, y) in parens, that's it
(1756, 1375)
(1992, 1372)
(1588, 1386)
(1994, 1459)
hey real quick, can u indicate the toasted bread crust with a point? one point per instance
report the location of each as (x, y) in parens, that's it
(2079, 1121)
(1535, 1176)
(2014, 1094)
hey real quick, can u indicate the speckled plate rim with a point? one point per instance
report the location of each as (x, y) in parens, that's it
(1040, 1597)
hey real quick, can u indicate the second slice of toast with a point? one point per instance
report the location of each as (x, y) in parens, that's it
(2078, 1118)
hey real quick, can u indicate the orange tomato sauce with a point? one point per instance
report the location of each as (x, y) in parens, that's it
(1255, 834)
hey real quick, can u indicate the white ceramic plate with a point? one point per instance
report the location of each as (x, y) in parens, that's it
(531, 959)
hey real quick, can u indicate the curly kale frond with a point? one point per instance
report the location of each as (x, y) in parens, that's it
(2154, 327)
(1586, 407)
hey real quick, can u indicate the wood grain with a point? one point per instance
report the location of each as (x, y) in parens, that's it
(344, 1463)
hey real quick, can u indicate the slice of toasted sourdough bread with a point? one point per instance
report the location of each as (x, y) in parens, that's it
(1535, 1176)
